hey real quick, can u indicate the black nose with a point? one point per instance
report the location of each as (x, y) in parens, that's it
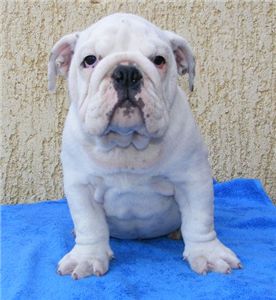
(127, 77)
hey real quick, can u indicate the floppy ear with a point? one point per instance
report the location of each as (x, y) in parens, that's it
(60, 58)
(184, 57)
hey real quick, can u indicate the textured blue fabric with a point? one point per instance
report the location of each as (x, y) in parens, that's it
(36, 236)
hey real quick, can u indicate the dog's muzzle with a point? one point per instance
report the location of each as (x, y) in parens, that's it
(127, 114)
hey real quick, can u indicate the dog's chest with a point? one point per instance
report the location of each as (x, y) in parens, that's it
(137, 206)
(108, 188)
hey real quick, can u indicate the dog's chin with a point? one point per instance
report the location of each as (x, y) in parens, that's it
(127, 132)
(125, 136)
(126, 120)
(113, 139)
(125, 129)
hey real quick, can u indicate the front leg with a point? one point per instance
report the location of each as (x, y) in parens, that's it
(91, 254)
(203, 250)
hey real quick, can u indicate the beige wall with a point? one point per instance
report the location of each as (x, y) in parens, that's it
(233, 101)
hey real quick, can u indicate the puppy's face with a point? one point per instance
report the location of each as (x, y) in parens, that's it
(122, 78)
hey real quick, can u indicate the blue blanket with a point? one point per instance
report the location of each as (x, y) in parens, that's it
(36, 236)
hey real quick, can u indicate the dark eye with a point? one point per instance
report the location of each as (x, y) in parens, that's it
(89, 61)
(159, 60)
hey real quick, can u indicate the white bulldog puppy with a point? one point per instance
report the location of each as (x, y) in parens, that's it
(134, 162)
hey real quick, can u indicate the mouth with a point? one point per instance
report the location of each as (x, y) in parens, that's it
(125, 118)
(126, 127)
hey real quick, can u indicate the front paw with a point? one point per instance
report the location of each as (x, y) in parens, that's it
(210, 256)
(86, 260)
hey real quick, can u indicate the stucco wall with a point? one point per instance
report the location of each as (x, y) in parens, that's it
(233, 101)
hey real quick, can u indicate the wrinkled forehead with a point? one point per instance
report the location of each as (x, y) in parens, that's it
(123, 34)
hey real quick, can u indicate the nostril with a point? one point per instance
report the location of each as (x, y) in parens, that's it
(118, 76)
(135, 76)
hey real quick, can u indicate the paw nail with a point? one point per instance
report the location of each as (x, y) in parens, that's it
(75, 276)
(228, 271)
(59, 272)
(98, 274)
(240, 266)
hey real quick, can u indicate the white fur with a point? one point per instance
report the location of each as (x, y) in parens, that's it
(129, 190)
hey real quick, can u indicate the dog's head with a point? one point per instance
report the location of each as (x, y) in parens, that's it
(122, 77)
